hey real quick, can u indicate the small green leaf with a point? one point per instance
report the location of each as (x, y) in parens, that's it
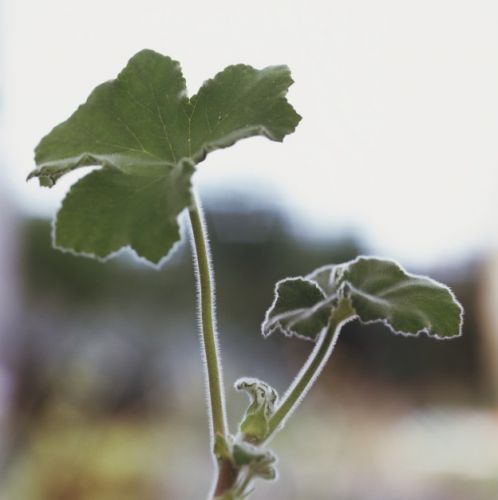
(377, 289)
(147, 136)
(300, 309)
(260, 462)
(255, 424)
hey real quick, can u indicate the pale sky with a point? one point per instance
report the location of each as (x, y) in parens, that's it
(399, 102)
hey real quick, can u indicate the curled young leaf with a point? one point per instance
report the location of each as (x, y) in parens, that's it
(255, 424)
(378, 290)
(147, 135)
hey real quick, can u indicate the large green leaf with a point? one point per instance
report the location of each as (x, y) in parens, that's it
(378, 290)
(148, 135)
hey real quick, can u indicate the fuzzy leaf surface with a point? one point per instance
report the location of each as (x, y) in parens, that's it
(300, 309)
(379, 291)
(255, 424)
(148, 135)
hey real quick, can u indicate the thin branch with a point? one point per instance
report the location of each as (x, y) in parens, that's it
(312, 368)
(205, 287)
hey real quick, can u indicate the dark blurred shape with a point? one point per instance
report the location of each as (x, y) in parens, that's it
(75, 301)
(487, 301)
(103, 346)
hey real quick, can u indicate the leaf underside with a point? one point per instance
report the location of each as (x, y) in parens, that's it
(148, 135)
(378, 291)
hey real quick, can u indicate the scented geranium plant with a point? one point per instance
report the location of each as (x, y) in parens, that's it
(148, 136)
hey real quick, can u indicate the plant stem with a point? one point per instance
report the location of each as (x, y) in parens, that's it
(226, 475)
(205, 286)
(312, 368)
(241, 490)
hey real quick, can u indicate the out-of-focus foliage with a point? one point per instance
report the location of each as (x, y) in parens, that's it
(100, 406)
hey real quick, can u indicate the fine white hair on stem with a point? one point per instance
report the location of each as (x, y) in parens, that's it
(322, 338)
(209, 306)
(206, 317)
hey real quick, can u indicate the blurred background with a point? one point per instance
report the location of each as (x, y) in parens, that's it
(101, 386)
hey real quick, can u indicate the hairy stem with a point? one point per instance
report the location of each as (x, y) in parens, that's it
(314, 365)
(208, 326)
(226, 474)
(241, 491)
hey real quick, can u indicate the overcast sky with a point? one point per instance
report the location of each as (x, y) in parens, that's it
(399, 102)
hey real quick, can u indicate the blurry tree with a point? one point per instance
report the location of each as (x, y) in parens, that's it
(77, 302)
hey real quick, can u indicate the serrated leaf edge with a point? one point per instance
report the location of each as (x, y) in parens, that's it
(288, 332)
(425, 330)
(182, 226)
(43, 169)
(264, 131)
(89, 159)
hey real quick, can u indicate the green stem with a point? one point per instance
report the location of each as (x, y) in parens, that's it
(314, 365)
(241, 490)
(208, 327)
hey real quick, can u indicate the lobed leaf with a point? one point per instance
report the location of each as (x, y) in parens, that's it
(378, 290)
(107, 210)
(147, 135)
(300, 309)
